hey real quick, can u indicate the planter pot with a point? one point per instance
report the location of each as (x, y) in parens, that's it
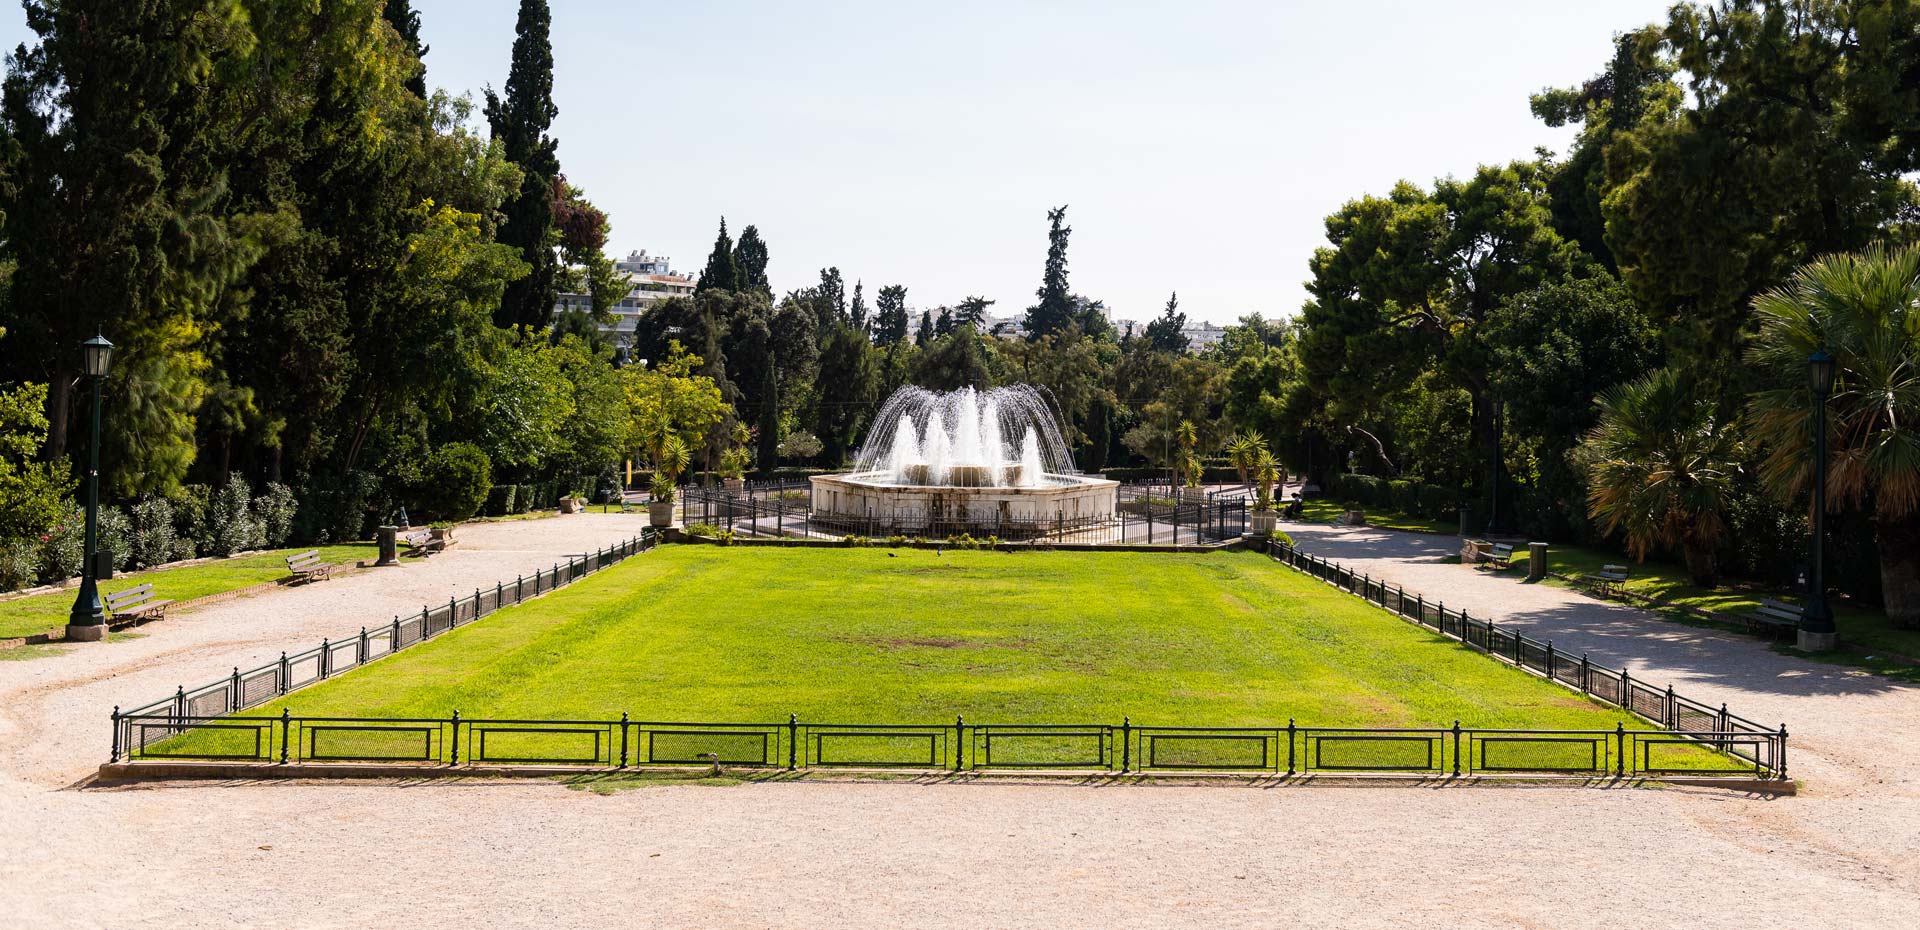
(440, 538)
(1262, 522)
(572, 504)
(660, 513)
(733, 484)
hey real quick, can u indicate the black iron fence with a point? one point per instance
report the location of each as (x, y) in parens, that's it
(1682, 717)
(959, 746)
(241, 690)
(775, 516)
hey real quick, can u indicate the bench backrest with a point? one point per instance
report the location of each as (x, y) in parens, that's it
(308, 557)
(1620, 570)
(1503, 548)
(131, 597)
(1778, 610)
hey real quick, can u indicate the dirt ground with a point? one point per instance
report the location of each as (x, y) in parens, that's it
(843, 853)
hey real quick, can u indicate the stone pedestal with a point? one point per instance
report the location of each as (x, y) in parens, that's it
(1536, 561)
(86, 632)
(1813, 642)
(389, 548)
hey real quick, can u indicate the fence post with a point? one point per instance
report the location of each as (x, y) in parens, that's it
(1456, 749)
(793, 741)
(1586, 675)
(1626, 681)
(326, 658)
(1290, 742)
(1620, 748)
(1126, 744)
(453, 751)
(1550, 676)
(233, 702)
(1673, 710)
(1420, 605)
(959, 743)
(360, 658)
(623, 739)
(1782, 773)
(282, 674)
(519, 584)
(393, 641)
(115, 757)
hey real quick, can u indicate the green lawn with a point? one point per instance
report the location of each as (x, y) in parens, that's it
(913, 636)
(1862, 628)
(1325, 509)
(44, 612)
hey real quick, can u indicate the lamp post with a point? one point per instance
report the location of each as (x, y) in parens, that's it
(88, 621)
(1817, 633)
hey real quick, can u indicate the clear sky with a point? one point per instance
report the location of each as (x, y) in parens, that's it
(1199, 144)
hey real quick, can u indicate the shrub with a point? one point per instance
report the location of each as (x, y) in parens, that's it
(1438, 503)
(231, 523)
(275, 509)
(19, 563)
(61, 549)
(153, 539)
(703, 529)
(116, 535)
(500, 499)
(455, 482)
(526, 498)
(190, 524)
(335, 508)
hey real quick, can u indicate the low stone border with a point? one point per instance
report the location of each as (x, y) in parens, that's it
(678, 535)
(128, 773)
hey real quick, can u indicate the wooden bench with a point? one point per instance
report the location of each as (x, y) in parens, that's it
(306, 566)
(1498, 557)
(136, 603)
(1609, 579)
(1774, 617)
(416, 540)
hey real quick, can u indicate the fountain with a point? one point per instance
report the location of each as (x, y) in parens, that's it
(963, 461)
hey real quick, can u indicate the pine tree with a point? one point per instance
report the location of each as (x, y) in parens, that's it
(925, 333)
(750, 262)
(857, 312)
(890, 316)
(520, 122)
(830, 301)
(972, 312)
(1166, 333)
(1055, 311)
(721, 272)
(405, 20)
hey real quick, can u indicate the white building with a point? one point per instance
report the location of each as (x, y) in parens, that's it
(652, 280)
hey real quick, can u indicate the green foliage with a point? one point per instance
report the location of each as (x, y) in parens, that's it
(31, 492)
(115, 535)
(1054, 314)
(1164, 334)
(231, 522)
(275, 508)
(455, 482)
(151, 541)
(520, 122)
(500, 500)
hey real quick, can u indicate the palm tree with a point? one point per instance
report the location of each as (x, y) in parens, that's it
(1244, 451)
(1660, 465)
(1864, 310)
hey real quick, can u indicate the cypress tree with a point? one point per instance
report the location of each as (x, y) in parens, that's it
(890, 316)
(1165, 334)
(721, 272)
(405, 20)
(1054, 312)
(520, 122)
(925, 333)
(750, 262)
(857, 312)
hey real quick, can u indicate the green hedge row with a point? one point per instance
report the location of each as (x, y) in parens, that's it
(1430, 501)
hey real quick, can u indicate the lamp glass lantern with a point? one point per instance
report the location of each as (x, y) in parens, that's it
(1820, 371)
(98, 353)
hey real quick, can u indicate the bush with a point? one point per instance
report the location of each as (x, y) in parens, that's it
(19, 563)
(61, 549)
(190, 522)
(500, 499)
(455, 482)
(703, 529)
(152, 539)
(337, 508)
(116, 535)
(231, 523)
(275, 508)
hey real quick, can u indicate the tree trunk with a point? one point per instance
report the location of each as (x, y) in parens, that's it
(1703, 564)
(1899, 543)
(59, 402)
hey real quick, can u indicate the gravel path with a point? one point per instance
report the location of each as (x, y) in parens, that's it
(818, 853)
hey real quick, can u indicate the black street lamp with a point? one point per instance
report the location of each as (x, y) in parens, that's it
(1817, 632)
(88, 621)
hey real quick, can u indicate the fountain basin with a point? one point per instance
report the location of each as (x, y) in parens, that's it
(874, 496)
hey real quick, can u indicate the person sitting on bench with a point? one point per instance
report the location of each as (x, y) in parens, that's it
(1296, 508)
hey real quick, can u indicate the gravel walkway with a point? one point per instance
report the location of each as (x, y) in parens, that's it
(816, 853)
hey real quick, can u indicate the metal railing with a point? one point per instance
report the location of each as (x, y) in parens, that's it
(959, 746)
(1674, 713)
(774, 517)
(241, 690)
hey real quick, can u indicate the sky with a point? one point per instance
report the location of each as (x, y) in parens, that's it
(1198, 145)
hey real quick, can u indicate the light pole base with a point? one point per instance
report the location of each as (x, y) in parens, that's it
(86, 632)
(1818, 642)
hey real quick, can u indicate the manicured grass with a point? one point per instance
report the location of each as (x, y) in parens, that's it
(1862, 628)
(44, 612)
(912, 636)
(1326, 509)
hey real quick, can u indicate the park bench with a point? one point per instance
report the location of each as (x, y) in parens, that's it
(1498, 557)
(416, 540)
(136, 603)
(307, 566)
(1609, 579)
(1772, 616)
